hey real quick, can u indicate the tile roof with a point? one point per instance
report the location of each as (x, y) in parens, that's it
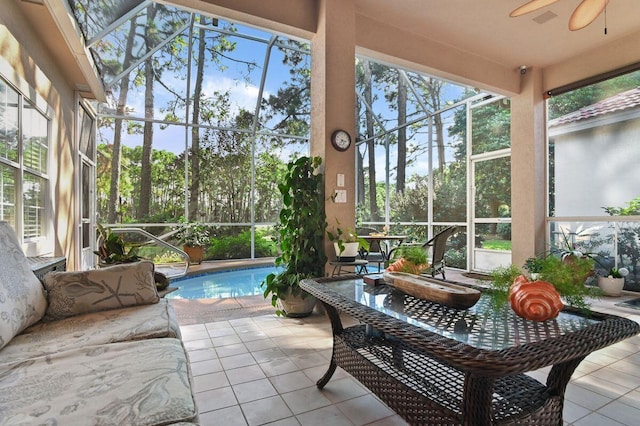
(619, 102)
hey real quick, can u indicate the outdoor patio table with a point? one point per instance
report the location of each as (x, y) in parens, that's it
(385, 241)
(437, 365)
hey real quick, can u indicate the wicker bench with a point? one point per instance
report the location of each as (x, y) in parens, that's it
(438, 365)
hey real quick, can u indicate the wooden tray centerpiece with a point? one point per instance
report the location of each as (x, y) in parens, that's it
(449, 294)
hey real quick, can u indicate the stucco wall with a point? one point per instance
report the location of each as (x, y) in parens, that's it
(597, 167)
(30, 67)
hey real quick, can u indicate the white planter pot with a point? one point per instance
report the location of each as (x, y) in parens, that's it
(611, 286)
(297, 306)
(349, 253)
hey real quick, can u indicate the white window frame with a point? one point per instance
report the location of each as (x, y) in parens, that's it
(42, 245)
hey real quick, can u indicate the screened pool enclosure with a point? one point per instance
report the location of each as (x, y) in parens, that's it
(204, 113)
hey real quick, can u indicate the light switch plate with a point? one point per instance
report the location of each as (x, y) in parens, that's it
(340, 179)
(341, 196)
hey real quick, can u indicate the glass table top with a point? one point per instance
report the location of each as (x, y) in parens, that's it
(481, 326)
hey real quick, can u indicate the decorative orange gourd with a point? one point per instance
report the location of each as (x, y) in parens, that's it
(403, 265)
(534, 300)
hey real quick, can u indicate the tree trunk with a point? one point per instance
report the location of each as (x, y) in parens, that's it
(434, 92)
(359, 161)
(116, 154)
(402, 135)
(194, 188)
(147, 140)
(368, 96)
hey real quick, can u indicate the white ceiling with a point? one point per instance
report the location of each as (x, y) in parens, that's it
(485, 28)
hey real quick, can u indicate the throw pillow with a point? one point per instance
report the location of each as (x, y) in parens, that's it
(22, 299)
(119, 286)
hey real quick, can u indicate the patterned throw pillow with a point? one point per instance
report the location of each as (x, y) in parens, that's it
(22, 299)
(75, 293)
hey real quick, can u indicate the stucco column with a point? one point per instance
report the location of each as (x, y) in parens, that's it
(528, 164)
(333, 104)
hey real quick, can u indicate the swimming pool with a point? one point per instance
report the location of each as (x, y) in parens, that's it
(221, 284)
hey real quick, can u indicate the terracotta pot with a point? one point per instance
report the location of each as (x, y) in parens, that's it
(611, 286)
(196, 254)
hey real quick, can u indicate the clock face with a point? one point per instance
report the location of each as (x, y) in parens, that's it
(341, 140)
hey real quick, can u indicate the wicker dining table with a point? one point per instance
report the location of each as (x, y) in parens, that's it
(438, 365)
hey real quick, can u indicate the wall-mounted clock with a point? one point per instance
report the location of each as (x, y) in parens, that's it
(341, 140)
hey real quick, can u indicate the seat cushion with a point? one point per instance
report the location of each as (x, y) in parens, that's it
(22, 298)
(119, 286)
(132, 383)
(116, 325)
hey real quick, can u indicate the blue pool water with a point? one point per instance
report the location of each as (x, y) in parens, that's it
(221, 284)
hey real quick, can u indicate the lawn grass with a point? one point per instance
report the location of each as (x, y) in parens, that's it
(496, 245)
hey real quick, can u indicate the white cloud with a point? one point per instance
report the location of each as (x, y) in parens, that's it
(243, 95)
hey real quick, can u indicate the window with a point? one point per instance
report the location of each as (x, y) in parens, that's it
(24, 154)
(594, 201)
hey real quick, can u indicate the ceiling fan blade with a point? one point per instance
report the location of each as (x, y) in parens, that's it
(531, 6)
(586, 13)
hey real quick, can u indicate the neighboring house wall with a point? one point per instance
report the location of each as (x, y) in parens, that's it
(596, 163)
(25, 63)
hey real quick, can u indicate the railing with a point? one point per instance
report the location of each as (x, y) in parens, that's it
(168, 259)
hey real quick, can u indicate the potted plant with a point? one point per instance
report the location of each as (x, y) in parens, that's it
(534, 266)
(613, 283)
(569, 279)
(300, 238)
(112, 249)
(194, 238)
(346, 243)
(410, 259)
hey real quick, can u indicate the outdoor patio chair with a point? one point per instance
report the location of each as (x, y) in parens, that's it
(438, 246)
(377, 248)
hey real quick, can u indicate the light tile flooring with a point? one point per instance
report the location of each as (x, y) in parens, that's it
(262, 370)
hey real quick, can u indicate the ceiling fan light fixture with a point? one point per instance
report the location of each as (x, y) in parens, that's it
(586, 13)
(531, 6)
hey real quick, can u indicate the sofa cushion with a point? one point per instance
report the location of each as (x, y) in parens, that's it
(119, 286)
(115, 325)
(132, 383)
(22, 299)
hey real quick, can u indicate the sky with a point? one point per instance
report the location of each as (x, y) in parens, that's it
(243, 93)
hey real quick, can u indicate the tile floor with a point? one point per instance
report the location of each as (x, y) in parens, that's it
(262, 370)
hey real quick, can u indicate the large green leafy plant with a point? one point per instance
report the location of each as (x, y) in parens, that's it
(112, 248)
(300, 231)
(192, 234)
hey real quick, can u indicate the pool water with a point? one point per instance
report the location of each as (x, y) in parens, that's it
(221, 284)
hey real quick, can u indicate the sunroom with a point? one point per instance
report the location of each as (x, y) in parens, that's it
(443, 136)
(146, 114)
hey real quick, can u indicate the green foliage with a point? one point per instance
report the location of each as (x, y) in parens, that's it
(496, 244)
(347, 235)
(579, 98)
(568, 276)
(632, 208)
(414, 254)
(192, 234)
(534, 264)
(239, 246)
(300, 231)
(112, 248)
(501, 279)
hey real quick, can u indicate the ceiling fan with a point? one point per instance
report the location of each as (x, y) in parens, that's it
(586, 12)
